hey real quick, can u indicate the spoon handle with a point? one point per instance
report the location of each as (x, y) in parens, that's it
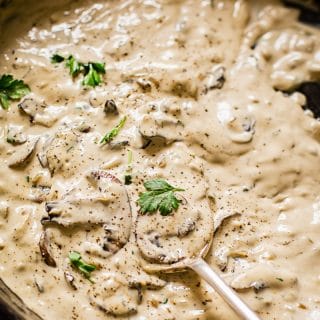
(229, 295)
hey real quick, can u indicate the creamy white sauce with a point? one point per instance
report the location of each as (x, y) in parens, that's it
(201, 81)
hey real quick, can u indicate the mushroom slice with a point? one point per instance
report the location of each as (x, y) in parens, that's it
(170, 239)
(215, 78)
(263, 276)
(161, 126)
(144, 280)
(114, 296)
(70, 279)
(144, 84)
(99, 199)
(63, 151)
(44, 245)
(112, 240)
(77, 124)
(39, 112)
(23, 154)
(110, 108)
(32, 107)
(15, 135)
(41, 155)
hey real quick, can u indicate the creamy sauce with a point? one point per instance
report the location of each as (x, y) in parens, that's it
(201, 84)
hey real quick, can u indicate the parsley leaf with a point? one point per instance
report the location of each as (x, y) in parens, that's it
(4, 101)
(73, 65)
(77, 262)
(114, 132)
(91, 71)
(159, 196)
(11, 89)
(92, 78)
(99, 67)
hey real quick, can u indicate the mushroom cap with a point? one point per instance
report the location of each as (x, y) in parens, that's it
(98, 203)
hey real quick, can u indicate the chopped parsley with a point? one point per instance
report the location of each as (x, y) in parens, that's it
(280, 279)
(91, 71)
(92, 74)
(11, 89)
(83, 267)
(114, 132)
(73, 65)
(160, 195)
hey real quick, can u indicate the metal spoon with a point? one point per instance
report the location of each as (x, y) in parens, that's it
(217, 283)
(153, 248)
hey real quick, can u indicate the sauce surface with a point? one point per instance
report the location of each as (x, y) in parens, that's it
(208, 89)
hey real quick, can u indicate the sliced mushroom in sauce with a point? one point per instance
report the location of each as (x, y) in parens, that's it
(39, 112)
(23, 154)
(45, 250)
(99, 199)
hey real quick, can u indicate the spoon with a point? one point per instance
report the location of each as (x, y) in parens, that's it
(216, 282)
(181, 241)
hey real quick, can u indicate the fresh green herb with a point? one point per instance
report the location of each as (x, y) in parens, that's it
(92, 74)
(84, 268)
(159, 196)
(91, 70)
(73, 65)
(280, 279)
(165, 301)
(114, 132)
(98, 66)
(28, 179)
(128, 175)
(56, 58)
(11, 89)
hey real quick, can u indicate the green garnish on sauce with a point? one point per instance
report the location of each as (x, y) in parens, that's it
(83, 267)
(160, 195)
(91, 71)
(11, 89)
(73, 65)
(114, 132)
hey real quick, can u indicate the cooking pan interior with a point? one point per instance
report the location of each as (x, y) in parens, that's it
(13, 22)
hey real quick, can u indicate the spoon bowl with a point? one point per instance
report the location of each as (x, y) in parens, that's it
(180, 261)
